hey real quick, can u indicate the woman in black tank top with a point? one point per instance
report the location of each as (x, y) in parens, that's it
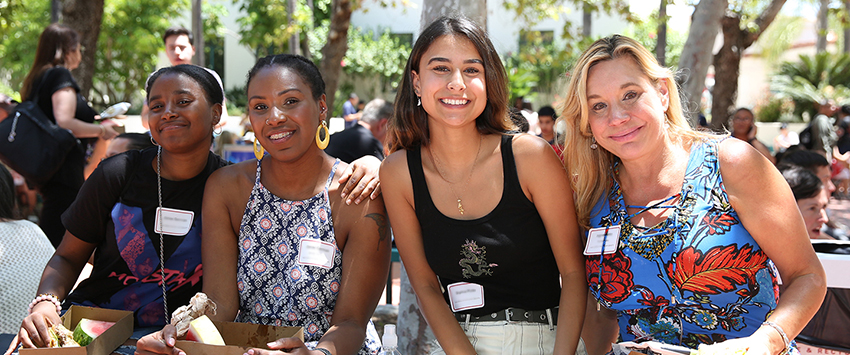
(484, 221)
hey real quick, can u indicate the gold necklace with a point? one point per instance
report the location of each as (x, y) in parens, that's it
(435, 162)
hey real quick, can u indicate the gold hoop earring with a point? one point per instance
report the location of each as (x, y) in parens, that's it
(323, 143)
(258, 153)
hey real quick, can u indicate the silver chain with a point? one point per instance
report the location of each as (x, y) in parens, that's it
(159, 227)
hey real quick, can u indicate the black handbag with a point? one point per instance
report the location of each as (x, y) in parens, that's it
(32, 145)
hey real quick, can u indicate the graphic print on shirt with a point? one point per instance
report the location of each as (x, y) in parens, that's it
(710, 282)
(143, 291)
(474, 262)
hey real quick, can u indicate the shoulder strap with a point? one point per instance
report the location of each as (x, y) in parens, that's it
(331, 176)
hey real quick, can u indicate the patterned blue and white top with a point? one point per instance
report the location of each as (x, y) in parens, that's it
(274, 287)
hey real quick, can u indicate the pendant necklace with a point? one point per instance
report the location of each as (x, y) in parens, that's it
(435, 161)
(159, 227)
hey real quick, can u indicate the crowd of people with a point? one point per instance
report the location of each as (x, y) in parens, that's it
(624, 224)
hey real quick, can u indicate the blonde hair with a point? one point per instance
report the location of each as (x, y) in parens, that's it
(590, 168)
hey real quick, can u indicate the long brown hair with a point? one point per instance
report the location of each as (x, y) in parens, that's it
(54, 43)
(408, 127)
(590, 168)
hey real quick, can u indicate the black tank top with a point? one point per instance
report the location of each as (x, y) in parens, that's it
(507, 251)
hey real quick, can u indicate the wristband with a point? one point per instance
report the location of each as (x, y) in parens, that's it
(45, 297)
(323, 351)
(102, 131)
(781, 333)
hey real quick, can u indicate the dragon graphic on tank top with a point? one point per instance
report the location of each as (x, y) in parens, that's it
(474, 262)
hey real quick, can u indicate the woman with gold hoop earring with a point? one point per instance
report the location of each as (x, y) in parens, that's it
(282, 214)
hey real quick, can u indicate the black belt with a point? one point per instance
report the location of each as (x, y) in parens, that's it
(546, 316)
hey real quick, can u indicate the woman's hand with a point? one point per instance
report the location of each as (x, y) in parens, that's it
(752, 345)
(33, 333)
(109, 131)
(285, 346)
(362, 178)
(161, 342)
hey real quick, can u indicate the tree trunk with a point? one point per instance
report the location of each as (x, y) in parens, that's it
(334, 50)
(294, 45)
(696, 54)
(476, 10)
(85, 17)
(823, 25)
(847, 29)
(198, 31)
(727, 61)
(414, 334)
(586, 21)
(661, 40)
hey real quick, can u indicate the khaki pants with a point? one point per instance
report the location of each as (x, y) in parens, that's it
(503, 337)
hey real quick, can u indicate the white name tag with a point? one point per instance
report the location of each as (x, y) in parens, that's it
(465, 295)
(316, 253)
(172, 221)
(596, 237)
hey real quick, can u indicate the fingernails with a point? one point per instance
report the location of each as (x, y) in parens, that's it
(348, 202)
(357, 201)
(170, 341)
(342, 195)
(271, 344)
(182, 353)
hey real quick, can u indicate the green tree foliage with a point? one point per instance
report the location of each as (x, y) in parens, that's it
(812, 80)
(130, 38)
(537, 66)
(645, 31)
(368, 55)
(533, 11)
(266, 27)
(19, 31)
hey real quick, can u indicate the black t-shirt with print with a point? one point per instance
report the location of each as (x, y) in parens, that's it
(115, 210)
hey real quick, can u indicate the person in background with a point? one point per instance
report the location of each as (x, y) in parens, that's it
(349, 111)
(180, 49)
(820, 136)
(366, 138)
(679, 204)
(128, 141)
(811, 196)
(817, 164)
(24, 250)
(59, 97)
(280, 245)
(546, 119)
(744, 128)
(785, 139)
(482, 219)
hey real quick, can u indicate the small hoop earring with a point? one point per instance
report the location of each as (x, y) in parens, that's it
(323, 143)
(258, 153)
(593, 144)
(154, 142)
(220, 129)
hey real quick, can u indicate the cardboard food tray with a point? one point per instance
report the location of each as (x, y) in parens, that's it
(239, 337)
(110, 340)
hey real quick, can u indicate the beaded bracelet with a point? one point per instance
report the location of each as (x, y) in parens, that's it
(45, 297)
(781, 333)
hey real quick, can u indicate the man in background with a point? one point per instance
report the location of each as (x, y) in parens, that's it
(349, 111)
(367, 137)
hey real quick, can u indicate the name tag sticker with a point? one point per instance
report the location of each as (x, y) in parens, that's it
(465, 295)
(315, 252)
(172, 221)
(610, 236)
